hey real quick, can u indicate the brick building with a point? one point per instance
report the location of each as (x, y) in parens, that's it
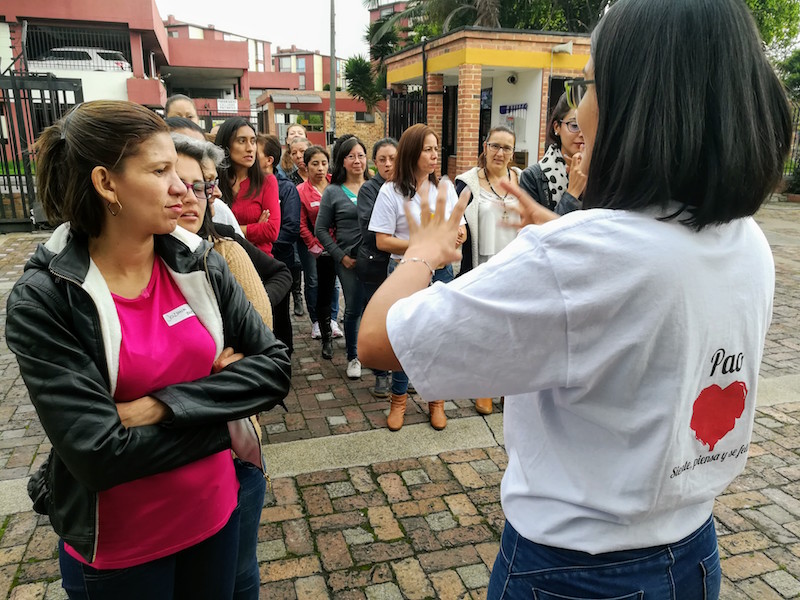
(152, 58)
(474, 78)
(312, 111)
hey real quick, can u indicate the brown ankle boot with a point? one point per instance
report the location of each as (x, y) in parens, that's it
(438, 418)
(483, 406)
(397, 411)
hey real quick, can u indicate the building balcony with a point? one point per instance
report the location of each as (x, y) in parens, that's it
(148, 92)
(208, 54)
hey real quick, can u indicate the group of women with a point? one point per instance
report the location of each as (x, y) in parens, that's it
(145, 359)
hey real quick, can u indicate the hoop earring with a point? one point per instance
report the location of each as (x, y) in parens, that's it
(119, 209)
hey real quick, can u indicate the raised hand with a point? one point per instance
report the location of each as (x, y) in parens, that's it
(530, 212)
(435, 238)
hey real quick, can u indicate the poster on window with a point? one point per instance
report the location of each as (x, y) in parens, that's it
(515, 116)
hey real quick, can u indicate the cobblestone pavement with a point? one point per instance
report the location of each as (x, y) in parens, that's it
(425, 527)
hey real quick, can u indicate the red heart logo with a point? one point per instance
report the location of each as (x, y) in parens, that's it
(716, 410)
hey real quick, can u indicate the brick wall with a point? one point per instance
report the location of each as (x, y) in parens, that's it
(369, 133)
(469, 106)
(436, 108)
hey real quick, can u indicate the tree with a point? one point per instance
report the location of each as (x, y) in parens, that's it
(383, 47)
(789, 70)
(778, 21)
(361, 83)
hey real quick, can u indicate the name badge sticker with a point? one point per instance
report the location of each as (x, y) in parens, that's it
(315, 203)
(177, 315)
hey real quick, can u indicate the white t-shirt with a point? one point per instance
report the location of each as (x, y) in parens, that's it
(389, 216)
(624, 346)
(224, 216)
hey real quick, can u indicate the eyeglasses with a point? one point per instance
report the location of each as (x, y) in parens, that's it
(575, 89)
(211, 185)
(355, 157)
(202, 190)
(572, 126)
(500, 148)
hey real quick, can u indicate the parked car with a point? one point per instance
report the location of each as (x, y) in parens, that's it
(73, 57)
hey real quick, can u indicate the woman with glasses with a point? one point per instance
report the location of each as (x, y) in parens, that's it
(627, 336)
(252, 196)
(338, 231)
(489, 219)
(222, 213)
(141, 355)
(412, 186)
(192, 166)
(558, 180)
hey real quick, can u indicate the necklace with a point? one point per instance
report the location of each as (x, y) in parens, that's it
(501, 198)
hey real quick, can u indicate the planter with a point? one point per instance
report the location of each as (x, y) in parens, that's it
(793, 198)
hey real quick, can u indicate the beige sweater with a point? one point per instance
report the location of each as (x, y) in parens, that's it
(245, 273)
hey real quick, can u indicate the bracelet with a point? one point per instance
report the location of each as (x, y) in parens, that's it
(417, 260)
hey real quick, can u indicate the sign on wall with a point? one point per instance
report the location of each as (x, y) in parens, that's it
(227, 105)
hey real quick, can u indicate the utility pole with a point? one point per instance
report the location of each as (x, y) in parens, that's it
(332, 133)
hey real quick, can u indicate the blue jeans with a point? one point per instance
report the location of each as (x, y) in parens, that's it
(353, 291)
(309, 264)
(205, 571)
(252, 487)
(445, 275)
(686, 570)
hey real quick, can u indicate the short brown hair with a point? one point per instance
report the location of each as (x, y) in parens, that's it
(409, 149)
(102, 133)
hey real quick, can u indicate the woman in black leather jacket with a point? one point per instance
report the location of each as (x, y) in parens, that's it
(141, 405)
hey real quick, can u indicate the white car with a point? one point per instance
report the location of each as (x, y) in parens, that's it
(72, 57)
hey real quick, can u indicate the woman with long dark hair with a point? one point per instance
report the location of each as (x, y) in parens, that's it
(141, 355)
(413, 186)
(607, 329)
(337, 230)
(309, 247)
(558, 179)
(252, 196)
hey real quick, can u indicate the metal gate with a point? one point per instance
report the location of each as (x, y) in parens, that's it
(793, 164)
(404, 111)
(28, 104)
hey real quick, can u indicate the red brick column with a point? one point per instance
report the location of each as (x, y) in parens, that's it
(435, 114)
(468, 120)
(543, 116)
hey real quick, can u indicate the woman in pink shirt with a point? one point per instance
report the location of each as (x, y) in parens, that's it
(252, 196)
(125, 327)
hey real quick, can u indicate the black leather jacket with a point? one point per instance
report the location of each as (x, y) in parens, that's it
(61, 327)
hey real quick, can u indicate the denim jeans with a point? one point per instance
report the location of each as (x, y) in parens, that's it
(309, 264)
(353, 291)
(252, 487)
(205, 571)
(686, 570)
(445, 275)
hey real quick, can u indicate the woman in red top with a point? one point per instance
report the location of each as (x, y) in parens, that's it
(252, 196)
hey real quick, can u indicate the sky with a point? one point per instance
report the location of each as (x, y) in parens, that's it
(304, 23)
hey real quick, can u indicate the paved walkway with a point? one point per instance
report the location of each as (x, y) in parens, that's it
(361, 513)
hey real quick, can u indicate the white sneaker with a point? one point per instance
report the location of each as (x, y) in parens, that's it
(354, 369)
(315, 334)
(337, 332)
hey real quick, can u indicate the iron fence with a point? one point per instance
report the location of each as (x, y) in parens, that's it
(28, 104)
(51, 48)
(404, 111)
(793, 164)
